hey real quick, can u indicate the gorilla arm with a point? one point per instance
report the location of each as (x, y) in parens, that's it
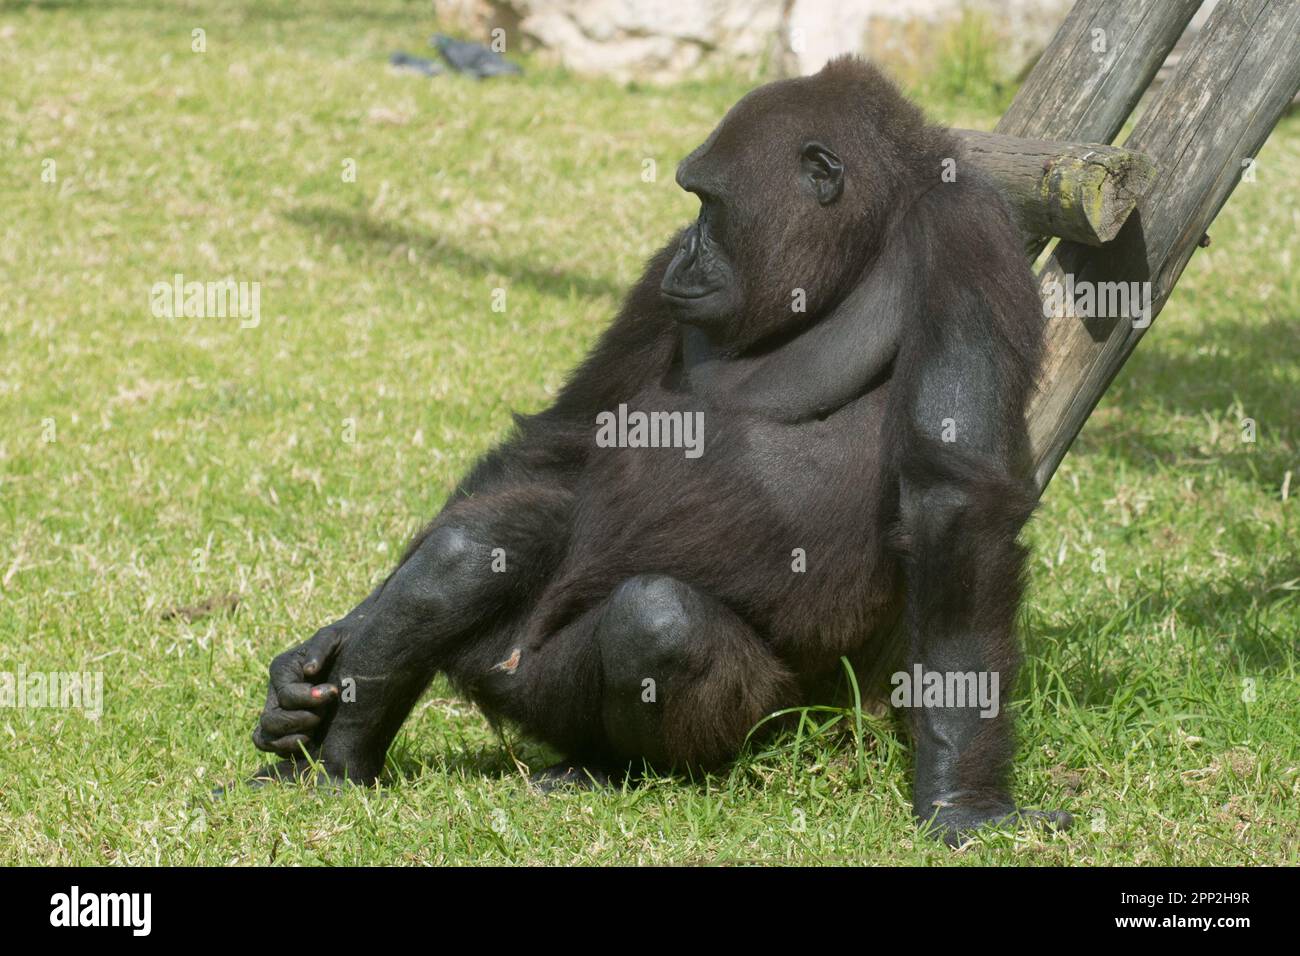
(962, 376)
(517, 497)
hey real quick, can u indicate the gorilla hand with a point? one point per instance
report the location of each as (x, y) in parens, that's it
(297, 710)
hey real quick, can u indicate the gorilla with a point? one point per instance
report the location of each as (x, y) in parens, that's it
(851, 335)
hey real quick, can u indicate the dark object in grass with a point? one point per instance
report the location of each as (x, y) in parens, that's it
(839, 349)
(205, 608)
(415, 64)
(472, 58)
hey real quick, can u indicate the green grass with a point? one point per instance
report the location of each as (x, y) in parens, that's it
(195, 458)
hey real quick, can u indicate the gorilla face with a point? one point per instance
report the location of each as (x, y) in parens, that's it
(773, 241)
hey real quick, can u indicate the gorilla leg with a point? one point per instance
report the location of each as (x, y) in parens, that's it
(964, 572)
(660, 672)
(685, 679)
(478, 563)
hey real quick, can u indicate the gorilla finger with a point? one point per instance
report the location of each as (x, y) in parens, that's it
(320, 650)
(306, 696)
(286, 668)
(261, 741)
(290, 745)
(278, 723)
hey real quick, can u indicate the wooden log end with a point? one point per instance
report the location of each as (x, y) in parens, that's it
(1078, 191)
(1087, 195)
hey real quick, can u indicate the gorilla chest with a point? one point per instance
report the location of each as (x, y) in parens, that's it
(668, 460)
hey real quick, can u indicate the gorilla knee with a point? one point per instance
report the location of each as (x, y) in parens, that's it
(685, 677)
(646, 625)
(643, 650)
(440, 575)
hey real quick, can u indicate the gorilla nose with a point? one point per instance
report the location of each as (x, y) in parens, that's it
(690, 244)
(696, 177)
(684, 176)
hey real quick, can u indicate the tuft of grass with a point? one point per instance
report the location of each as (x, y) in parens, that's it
(968, 68)
(286, 464)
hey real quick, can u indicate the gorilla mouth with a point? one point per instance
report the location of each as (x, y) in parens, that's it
(688, 295)
(697, 270)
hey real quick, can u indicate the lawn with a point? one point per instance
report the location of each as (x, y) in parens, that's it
(149, 463)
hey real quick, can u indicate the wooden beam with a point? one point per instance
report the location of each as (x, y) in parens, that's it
(1077, 191)
(1093, 72)
(1203, 130)
(1079, 93)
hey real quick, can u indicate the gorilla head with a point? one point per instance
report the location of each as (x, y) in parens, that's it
(796, 187)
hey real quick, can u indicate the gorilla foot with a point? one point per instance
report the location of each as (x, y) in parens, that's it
(954, 824)
(568, 776)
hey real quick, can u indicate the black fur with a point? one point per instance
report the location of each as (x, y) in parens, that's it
(824, 430)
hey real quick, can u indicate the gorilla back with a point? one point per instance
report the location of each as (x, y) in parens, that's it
(855, 336)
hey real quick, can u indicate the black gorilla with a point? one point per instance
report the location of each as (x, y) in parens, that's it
(860, 336)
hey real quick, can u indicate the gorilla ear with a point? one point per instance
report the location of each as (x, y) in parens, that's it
(823, 171)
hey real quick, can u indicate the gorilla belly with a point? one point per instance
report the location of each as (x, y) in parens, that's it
(783, 522)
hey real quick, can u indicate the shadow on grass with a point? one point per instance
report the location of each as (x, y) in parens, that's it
(1231, 616)
(1247, 361)
(416, 758)
(377, 238)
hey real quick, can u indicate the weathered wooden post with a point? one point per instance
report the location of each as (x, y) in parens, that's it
(1203, 129)
(1129, 218)
(1077, 191)
(1096, 68)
